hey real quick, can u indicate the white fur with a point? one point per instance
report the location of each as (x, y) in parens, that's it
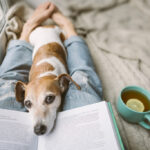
(38, 110)
(41, 36)
(55, 62)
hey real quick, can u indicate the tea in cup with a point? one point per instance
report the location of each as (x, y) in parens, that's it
(134, 105)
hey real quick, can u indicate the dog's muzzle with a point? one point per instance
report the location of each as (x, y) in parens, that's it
(40, 129)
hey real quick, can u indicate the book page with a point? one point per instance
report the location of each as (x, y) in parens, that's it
(85, 128)
(16, 132)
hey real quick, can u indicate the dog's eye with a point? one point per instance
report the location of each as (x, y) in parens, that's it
(28, 104)
(49, 99)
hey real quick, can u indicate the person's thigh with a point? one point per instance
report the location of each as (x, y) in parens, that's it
(16, 66)
(88, 94)
(17, 62)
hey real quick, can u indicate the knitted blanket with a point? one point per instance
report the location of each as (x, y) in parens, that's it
(118, 35)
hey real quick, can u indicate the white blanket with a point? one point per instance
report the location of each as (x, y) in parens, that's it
(118, 35)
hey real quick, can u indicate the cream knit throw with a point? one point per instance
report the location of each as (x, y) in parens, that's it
(118, 35)
(15, 18)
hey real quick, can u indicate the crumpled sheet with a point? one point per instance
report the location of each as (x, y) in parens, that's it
(15, 18)
(118, 35)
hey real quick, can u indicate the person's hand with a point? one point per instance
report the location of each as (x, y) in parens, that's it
(63, 22)
(42, 12)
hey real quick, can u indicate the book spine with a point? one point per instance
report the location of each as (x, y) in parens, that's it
(115, 125)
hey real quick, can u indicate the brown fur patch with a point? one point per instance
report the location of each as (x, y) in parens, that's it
(44, 84)
(37, 70)
(49, 50)
(19, 91)
(62, 37)
(48, 26)
(68, 77)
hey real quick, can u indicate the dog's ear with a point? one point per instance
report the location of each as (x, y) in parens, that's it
(64, 80)
(20, 91)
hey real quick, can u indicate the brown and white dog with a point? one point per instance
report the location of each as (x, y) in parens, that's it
(48, 78)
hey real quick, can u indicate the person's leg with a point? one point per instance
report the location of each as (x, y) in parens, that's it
(16, 66)
(17, 62)
(88, 94)
(82, 71)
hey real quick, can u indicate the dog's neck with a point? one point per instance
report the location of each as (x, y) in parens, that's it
(45, 35)
(49, 55)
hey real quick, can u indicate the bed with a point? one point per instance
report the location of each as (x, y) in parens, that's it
(118, 35)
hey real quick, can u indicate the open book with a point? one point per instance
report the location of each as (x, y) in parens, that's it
(90, 127)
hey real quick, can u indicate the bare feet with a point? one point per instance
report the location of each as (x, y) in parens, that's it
(64, 23)
(43, 12)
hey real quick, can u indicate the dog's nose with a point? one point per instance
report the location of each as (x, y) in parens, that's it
(40, 129)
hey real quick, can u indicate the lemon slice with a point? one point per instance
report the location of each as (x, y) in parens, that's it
(135, 104)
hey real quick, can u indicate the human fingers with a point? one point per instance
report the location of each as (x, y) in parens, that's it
(45, 14)
(51, 9)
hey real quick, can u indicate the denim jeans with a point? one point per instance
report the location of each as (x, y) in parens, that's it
(18, 60)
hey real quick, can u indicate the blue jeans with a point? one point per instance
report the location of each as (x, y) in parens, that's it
(17, 63)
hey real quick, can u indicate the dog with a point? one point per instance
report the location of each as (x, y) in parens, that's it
(48, 78)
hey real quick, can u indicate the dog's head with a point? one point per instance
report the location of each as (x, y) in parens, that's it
(42, 98)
